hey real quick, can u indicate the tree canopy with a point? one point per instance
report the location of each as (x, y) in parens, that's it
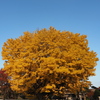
(49, 61)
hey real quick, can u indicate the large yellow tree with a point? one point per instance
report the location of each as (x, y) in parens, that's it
(49, 61)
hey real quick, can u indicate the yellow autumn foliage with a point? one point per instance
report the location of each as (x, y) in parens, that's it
(49, 61)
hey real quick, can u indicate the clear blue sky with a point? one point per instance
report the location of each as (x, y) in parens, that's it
(77, 16)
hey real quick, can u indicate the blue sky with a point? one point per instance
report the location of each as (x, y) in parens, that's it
(77, 16)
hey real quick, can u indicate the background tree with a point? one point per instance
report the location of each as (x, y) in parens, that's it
(3, 83)
(96, 94)
(90, 94)
(93, 87)
(5, 86)
(48, 62)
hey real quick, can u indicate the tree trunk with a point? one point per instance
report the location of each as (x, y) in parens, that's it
(84, 97)
(40, 97)
(77, 96)
(4, 97)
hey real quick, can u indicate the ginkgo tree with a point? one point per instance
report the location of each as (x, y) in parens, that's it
(49, 61)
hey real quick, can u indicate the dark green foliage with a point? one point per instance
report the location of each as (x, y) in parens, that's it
(96, 94)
